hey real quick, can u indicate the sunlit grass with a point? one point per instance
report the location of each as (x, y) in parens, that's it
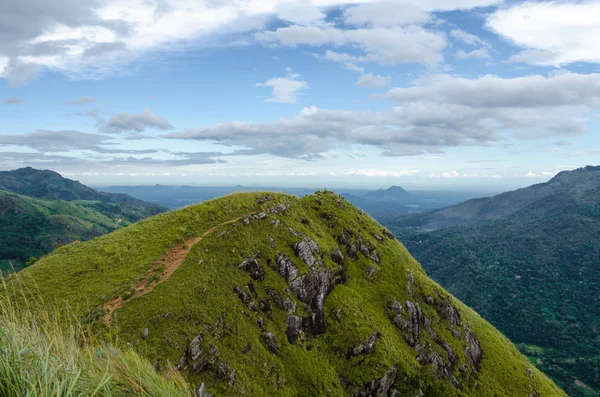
(49, 353)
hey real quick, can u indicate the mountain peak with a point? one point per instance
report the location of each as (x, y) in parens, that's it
(266, 293)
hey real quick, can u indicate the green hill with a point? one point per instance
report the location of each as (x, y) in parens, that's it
(529, 254)
(58, 212)
(268, 294)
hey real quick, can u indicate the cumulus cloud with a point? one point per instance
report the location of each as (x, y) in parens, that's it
(370, 80)
(410, 44)
(126, 122)
(480, 53)
(551, 33)
(84, 100)
(285, 89)
(466, 38)
(445, 112)
(95, 38)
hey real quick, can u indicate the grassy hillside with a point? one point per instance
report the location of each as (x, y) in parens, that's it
(263, 294)
(539, 263)
(31, 227)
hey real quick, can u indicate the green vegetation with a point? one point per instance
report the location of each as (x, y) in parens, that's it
(34, 226)
(221, 316)
(49, 353)
(533, 273)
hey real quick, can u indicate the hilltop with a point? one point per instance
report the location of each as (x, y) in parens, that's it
(261, 294)
(41, 210)
(528, 254)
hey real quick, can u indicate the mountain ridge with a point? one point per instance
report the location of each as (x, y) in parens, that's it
(304, 295)
(537, 261)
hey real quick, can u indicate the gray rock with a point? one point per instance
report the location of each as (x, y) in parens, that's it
(194, 349)
(202, 392)
(381, 387)
(293, 327)
(288, 305)
(145, 334)
(231, 378)
(410, 281)
(366, 347)
(337, 256)
(312, 289)
(259, 216)
(388, 234)
(371, 271)
(222, 370)
(261, 324)
(364, 250)
(271, 342)
(450, 313)
(272, 241)
(352, 251)
(305, 250)
(396, 306)
(374, 256)
(287, 269)
(275, 222)
(378, 238)
(243, 295)
(246, 221)
(473, 349)
(343, 239)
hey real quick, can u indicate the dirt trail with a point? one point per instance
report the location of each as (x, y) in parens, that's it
(172, 259)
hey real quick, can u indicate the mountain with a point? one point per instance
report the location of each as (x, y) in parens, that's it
(258, 294)
(528, 254)
(391, 193)
(40, 210)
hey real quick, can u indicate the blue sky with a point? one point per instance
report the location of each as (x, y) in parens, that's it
(366, 93)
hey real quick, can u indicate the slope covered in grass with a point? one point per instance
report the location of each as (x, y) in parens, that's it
(33, 226)
(49, 353)
(299, 297)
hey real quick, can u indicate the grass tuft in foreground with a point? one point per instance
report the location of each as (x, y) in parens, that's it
(49, 353)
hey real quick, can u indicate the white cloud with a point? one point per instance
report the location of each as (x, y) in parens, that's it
(466, 38)
(386, 14)
(125, 122)
(370, 80)
(285, 89)
(480, 53)
(411, 44)
(84, 100)
(551, 33)
(441, 113)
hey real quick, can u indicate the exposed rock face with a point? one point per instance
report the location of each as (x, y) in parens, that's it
(287, 269)
(202, 392)
(194, 349)
(473, 349)
(294, 327)
(312, 289)
(271, 342)
(410, 278)
(337, 256)
(305, 250)
(366, 347)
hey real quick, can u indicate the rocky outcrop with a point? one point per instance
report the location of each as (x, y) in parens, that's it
(366, 347)
(473, 349)
(337, 256)
(202, 392)
(271, 342)
(306, 249)
(381, 387)
(293, 327)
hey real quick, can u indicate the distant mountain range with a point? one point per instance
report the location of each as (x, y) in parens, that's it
(383, 204)
(531, 254)
(40, 210)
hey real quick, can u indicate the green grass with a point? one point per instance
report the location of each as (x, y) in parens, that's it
(50, 353)
(198, 299)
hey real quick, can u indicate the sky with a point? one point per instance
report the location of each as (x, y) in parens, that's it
(317, 93)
